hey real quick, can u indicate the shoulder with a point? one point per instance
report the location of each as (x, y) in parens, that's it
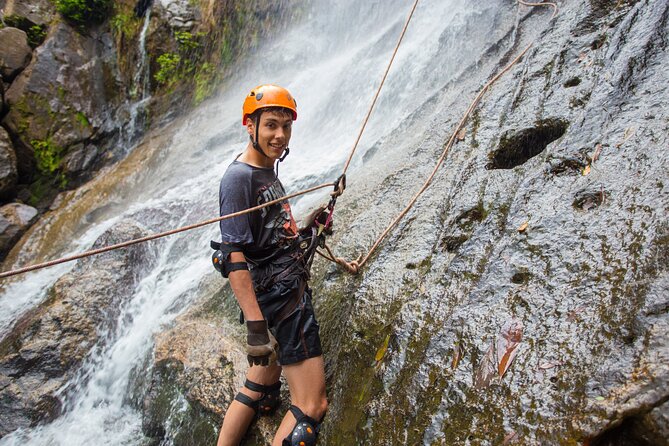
(238, 176)
(237, 171)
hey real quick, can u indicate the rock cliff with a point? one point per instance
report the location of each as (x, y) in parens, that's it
(523, 300)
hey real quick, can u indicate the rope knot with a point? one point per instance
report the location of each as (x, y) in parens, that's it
(352, 267)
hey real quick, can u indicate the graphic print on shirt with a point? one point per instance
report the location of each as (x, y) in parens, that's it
(282, 227)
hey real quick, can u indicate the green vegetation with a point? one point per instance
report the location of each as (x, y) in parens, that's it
(186, 40)
(186, 65)
(83, 12)
(82, 120)
(36, 35)
(125, 24)
(169, 71)
(49, 158)
(47, 154)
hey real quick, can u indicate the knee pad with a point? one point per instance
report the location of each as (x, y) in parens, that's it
(305, 432)
(269, 401)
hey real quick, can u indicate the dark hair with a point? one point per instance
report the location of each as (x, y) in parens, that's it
(280, 110)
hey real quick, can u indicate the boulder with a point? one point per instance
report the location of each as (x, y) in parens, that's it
(3, 106)
(8, 171)
(15, 219)
(68, 94)
(14, 52)
(39, 12)
(198, 362)
(49, 343)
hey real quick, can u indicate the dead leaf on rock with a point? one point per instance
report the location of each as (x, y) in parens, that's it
(573, 315)
(461, 134)
(550, 364)
(586, 170)
(381, 352)
(523, 227)
(457, 354)
(486, 370)
(598, 151)
(500, 355)
(507, 343)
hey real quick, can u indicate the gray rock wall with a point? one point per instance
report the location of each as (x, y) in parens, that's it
(524, 298)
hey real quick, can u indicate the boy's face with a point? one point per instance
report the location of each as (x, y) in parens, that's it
(273, 132)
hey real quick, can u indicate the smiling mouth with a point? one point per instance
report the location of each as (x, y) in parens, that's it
(278, 146)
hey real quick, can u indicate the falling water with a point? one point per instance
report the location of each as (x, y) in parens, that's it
(332, 66)
(140, 89)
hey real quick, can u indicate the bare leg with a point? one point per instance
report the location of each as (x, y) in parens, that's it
(239, 416)
(306, 381)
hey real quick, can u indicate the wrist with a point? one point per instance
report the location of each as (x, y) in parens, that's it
(257, 333)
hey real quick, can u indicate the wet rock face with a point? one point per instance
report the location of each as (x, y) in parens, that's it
(15, 219)
(8, 171)
(39, 12)
(179, 13)
(517, 146)
(525, 298)
(68, 93)
(200, 365)
(48, 344)
(14, 52)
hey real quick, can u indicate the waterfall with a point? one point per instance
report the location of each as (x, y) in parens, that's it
(332, 63)
(140, 88)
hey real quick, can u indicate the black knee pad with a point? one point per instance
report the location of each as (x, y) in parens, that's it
(268, 402)
(305, 432)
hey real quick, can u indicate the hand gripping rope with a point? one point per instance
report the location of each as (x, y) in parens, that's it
(354, 266)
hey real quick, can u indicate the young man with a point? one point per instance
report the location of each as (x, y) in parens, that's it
(267, 262)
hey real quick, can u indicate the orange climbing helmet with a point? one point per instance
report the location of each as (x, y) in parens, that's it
(268, 95)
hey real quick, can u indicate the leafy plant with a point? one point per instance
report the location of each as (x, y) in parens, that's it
(82, 120)
(48, 155)
(82, 12)
(186, 40)
(36, 35)
(169, 68)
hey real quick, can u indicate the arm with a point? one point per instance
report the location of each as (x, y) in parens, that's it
(261, 347)
(242, 286)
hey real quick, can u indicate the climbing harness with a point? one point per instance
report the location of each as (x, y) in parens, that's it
(269, 401)
(351, 266)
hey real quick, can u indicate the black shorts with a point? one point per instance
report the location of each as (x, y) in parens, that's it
(290, 316)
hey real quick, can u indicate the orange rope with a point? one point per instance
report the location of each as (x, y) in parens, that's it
(376, 96)
(354, 266)
(159, 235)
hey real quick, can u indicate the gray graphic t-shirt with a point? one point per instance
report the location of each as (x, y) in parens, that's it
(262, 234)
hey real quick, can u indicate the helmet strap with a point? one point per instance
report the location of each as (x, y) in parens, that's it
(255, 143)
